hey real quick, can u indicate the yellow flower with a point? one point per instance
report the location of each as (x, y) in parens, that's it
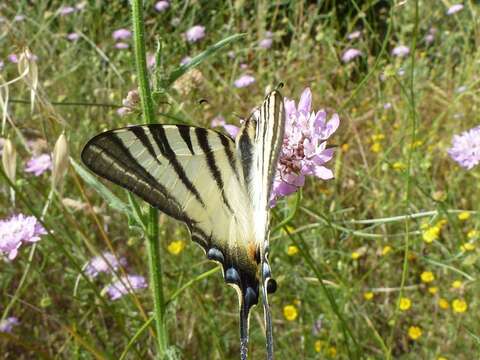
(290, 312)
(399, 166)
(443, 303)
(427, 276)
(377, 137)
(441, 223)
(459, 306)
(472, 234)
(433, 290)
(457, 284)
(332, 351)
(386, 250)
(414, 332)
(292, 250)
(376, 147)
(405, 304)
(345, 147)
(442, 358)
(431, 234)
(318, 345)
(416, 144)
(176, 247)
(356, 255)
(368, 295)
(464, 215)
(467, 247)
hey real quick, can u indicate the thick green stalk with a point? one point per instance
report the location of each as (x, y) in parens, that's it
(153, 244)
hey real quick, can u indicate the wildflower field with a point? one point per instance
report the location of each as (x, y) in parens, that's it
(374, 219)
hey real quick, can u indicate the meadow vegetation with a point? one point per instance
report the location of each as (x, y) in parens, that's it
(380, 262)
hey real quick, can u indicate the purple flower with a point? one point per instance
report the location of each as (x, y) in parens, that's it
(66, 10)
(162, 5)
(105, 263)
(465, 148)
(126, 284)
(13, 58)
(2, 64)
(7, 324)
(454, 9)
(354, 35)
(73, 36)
(38, 165)
(231, 130)
(121, 45)
(151, 61)
(265, 43)
(244, 81)
(429, 38)
(351, 54)
(17, 230)
(185, 60)
(19, 18)
(195, 33)
(387, 106)
(121, 34)
(400, 51)
(304, 151)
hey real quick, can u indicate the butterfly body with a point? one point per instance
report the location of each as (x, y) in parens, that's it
(218, 187)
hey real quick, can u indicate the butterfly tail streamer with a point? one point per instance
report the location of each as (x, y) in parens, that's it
(243, 333)
(268, 285)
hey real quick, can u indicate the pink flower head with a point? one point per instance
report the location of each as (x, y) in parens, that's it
(185, 60)
(354, 35)
(195, 33)
(351, 54)
(266, 43)
(304, 151)
(6, 325)
(126, 284)
(400, 51)
(39, 164)
(162, 5)
(244, 81)
(151, 61)
(465, 148)
(17, 230)
(454, 9)
(105, 263)
(13, 58)
(19, 17)
(121, 45)
(73, 36)
(66, 10)
(121, 34)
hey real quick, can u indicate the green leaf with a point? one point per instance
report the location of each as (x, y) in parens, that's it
(182, 69)
(111, 199)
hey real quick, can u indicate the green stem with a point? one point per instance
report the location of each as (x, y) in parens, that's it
(153, 244)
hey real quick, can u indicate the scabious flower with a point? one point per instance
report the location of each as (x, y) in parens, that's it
(7, 324)
(121, 45)
(400, 51)
(354, 35)
(185, 60)
(39, 164)
(66, 10)
(244, 81)
(123, 286)
(17, 230)
(162, 5)
(454, 9)
(267, 41)
(73, 36)
(195, 33)
(105, 263)
(304, 151)
(465, 148)
(121, 34)
(351, 54)
(13, 58)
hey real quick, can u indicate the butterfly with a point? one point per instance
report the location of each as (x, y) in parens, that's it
(219, 187)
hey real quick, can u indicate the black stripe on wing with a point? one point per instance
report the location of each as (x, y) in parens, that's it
(108, 156)
(158, 133)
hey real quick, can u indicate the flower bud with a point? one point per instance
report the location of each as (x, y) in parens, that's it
(27, 67)
(9, 160)
(60, 159)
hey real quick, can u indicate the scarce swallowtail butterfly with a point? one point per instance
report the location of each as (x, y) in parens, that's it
(218, 187)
